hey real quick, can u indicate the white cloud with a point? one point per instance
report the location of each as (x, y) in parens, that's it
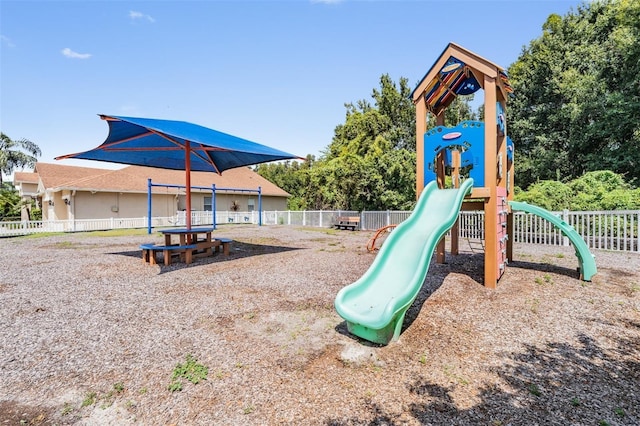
(6, 41)
(75, 55)
(139, 15)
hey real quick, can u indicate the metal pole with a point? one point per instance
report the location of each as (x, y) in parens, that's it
(213, 204)
(187, 166)
(260, 205)
(149, 205)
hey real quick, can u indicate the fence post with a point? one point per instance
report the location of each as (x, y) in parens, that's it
(320, 220)
(565, 218)
(637, 229)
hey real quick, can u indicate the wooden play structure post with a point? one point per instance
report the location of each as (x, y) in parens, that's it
(461, 72)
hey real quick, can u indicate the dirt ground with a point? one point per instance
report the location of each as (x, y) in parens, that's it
(89, 334)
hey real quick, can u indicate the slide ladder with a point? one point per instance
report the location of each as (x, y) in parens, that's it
(375, 305)
(587, 260)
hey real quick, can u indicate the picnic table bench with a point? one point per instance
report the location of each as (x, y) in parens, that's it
(184, 251)
(224, 244)
(347, 222)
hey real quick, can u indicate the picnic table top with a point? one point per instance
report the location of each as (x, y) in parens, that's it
(187, 231)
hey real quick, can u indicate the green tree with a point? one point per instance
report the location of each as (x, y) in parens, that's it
(290, 176)
(10, 202)
(597, 190)
(548, 194)
(395, 103)
(16, 154)
(577, 98)
(459, 110)
(369, 164)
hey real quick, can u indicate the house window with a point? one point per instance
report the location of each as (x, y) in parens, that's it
(251, 206)
(207, 204)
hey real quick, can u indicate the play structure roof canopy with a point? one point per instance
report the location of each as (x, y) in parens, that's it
(457, 71)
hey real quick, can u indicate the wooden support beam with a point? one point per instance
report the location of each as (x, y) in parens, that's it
(490, 181)
(421, 129)
(455, 177)
(440, 248)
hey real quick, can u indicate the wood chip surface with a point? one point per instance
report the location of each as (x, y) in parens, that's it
(91, 335)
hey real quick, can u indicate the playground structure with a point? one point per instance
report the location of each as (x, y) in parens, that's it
(479, 156)
(481, 147)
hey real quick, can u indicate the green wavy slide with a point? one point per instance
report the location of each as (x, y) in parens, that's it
(587, 261)
(375, 305)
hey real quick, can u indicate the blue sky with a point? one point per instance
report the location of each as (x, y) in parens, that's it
(275, 72)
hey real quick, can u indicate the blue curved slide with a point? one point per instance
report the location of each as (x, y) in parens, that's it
(587, 261)
(375, 305)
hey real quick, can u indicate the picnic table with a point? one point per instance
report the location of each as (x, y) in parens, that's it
(185, 243)
(200, 237)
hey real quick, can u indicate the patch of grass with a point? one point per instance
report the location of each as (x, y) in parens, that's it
(619, 412)
(546, 279)
(298, 331)
(560, 255)
(423, 359)
(66, 409)
(89, 399)
(175, 386)
(534, 389)
(535, 303)
(603, 423)
(248, 409)
(108, 399)
(328, 231)
(42, 235)
(117, 233)
(64, 244)
(576, 402)
(449, 372)
(190, 370)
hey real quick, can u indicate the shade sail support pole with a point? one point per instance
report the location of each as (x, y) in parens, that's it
(187, 167)
(149, 184)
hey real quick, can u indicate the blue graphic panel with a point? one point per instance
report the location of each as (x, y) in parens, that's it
(468, 135)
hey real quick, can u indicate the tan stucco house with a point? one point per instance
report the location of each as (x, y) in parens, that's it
(73, 193)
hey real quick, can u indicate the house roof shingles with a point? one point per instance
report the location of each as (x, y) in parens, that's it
(134, 179)
(25, 177)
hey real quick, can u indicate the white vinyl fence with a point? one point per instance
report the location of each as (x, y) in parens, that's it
(607, 230)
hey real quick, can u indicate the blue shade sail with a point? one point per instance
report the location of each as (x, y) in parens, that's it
(165, 143)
